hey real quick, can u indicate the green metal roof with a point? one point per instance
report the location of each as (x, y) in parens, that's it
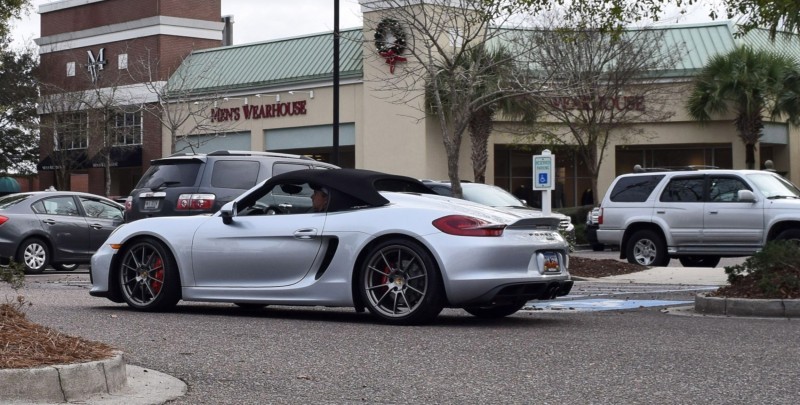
(272, 63)
(309, 58)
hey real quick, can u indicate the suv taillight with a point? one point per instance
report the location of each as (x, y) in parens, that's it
(195, 202)
(600, 216)
(128, 203)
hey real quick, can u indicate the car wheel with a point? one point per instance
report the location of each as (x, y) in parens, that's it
(495, 311)
(34, 255)
(399, 283)
(598, 247)
(791, 235)
(148, 276)
(66, 267)
(699, 261)
(647, 248)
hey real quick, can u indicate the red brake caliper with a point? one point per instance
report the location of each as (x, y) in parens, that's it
(159, 276)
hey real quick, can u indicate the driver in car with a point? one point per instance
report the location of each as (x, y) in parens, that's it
(319, 200)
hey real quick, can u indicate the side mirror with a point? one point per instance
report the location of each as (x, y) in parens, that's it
(746, 196)
(227, 213)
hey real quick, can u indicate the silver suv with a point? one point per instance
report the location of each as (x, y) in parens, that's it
(698, 216)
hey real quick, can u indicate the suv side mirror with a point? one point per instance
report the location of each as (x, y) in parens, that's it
(228, 212)
(746, 196)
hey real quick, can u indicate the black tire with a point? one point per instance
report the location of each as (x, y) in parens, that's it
(34, 255)
(495, 311)
(249, 306)
(598, 247)
(647, 248)
(66, 266)
(400, 283)
(148, 276)
(790, 234)
(699, 261)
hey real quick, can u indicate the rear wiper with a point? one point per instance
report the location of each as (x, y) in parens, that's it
(164, 184)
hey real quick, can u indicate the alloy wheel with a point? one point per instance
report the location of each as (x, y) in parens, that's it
(396, 281)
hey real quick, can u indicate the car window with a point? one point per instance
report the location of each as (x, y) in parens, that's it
(64, 205)
(683, 190)
(490, 195)
(441, 190)
(724, 189)
(172, 174)
(634, 188)
(280, 168)
(100, 209)
(241, 174)
(288, 198)
(12, 200)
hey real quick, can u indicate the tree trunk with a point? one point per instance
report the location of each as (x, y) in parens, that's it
(750, 155)
(480, 127)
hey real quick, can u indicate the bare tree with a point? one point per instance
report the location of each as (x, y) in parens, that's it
(602, 85)
(180, 109)
(435, 38)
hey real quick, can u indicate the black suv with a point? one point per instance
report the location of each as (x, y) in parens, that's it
(191, 184)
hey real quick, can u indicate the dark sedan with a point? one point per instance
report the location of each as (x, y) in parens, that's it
(57, 228)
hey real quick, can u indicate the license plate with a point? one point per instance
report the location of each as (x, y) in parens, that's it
(551, 264)
(150, 204)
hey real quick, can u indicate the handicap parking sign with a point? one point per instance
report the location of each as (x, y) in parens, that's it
(543, 178)
(543, 171)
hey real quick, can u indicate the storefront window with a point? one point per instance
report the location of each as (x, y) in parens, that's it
(72, 131)
(673, 156)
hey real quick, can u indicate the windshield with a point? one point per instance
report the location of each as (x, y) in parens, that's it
(774, 186)
(490, 195)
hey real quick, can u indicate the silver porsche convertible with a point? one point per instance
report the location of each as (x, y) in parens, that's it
(343, 238)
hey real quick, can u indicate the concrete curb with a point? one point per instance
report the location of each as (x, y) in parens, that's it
(97, 382)
(64, 383)
(776, 308)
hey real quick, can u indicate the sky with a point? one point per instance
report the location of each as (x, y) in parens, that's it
(254, 20)
(261, 20)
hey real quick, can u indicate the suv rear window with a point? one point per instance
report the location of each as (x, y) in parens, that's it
(241, 174)
(178, 174)
(634, 188)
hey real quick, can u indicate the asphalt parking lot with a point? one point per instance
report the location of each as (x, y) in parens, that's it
(227, 355)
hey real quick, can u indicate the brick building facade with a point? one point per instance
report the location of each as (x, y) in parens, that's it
(100, 63)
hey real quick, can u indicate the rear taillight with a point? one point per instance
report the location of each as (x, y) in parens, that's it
(462, 225)
(3, 219)
(188, 202)
(128, 203)
(600, 217)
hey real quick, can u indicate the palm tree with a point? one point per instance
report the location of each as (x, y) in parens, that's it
(752, 83)
(497, 70)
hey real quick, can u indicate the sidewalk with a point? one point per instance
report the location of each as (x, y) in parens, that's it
(672, 275)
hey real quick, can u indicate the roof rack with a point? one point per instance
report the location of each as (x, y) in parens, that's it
(640, 169)
(243, 153)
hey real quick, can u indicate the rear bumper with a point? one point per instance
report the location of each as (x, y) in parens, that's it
(516, 292)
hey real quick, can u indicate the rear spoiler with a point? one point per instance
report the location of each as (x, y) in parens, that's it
(542, 223)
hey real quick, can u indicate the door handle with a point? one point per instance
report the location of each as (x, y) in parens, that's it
(49, 221)
(285, 205)
(713, 212)
(660, 212)
(307, 233)
(96, 226)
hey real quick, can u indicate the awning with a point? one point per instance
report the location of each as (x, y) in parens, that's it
(8, 185)
(70, 159)
(121, 156)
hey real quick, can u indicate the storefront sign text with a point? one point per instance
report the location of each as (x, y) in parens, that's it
(255, 112)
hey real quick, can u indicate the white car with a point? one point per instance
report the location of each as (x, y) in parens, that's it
(385, 243)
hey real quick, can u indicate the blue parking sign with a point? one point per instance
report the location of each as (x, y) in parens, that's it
(543, 178)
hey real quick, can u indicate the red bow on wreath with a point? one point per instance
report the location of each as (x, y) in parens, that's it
(392, 58)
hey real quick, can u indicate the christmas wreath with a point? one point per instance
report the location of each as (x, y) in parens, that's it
(390, 40)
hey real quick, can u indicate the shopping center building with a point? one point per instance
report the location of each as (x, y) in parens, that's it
(278, 96)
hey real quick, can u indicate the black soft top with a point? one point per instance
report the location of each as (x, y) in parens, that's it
(352, 187)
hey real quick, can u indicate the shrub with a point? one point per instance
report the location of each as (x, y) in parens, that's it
(774, 272)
